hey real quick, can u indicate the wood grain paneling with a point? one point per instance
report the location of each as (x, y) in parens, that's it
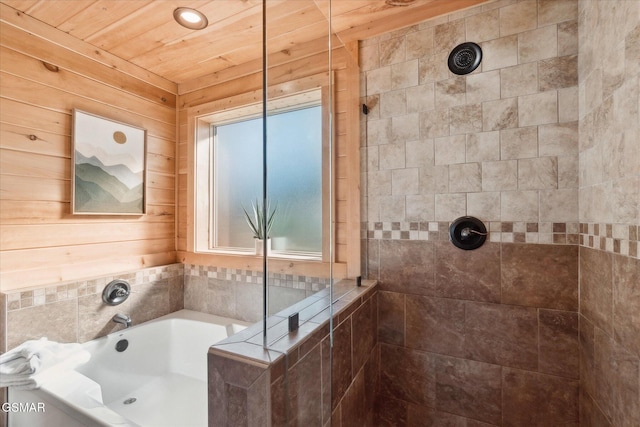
(69, 52)
(144, 32)
(41, 242)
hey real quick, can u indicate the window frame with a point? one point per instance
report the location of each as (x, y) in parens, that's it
(214, 245)
(244, 106)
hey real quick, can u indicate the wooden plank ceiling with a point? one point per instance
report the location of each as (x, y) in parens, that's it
(144, 32)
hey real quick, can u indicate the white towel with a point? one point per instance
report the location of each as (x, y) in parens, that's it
(24, 366)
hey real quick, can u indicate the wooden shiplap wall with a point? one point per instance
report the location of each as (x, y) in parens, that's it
(40, 241)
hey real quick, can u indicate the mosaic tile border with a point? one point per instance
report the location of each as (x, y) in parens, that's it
(506, 232)
(308, 283)
(74, 289)
(621, 239)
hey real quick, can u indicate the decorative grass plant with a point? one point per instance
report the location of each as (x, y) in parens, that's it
(256, 222)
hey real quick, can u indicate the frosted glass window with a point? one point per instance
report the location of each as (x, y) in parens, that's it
(294, 165)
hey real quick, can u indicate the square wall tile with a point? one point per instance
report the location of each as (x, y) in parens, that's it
(518, 17)
(391, 318)
(541, 43)
(433, 68)
(484, 205)
(538, 109)
(535, 399)
(458, 276)
(420, 43)
(407, 267)
(596, 287)
(392, 51)
(558, 139)
(568, 104)
(451, 92)
(435, 325)
(559, 343)
(559, 205)
(483, 146)
(342, 361)
(554, 11)
(469, 388)
(538, 174)
(626, 316)
(502, 334)
(405, 128)
(500, 53)
(450, 206)
(540, 276)
(449, 35)
(558, 73)
(519, 143)
(379, 80)
(465, 177)
(450, 150)
(393, 103)
(56, 321)
(567, 37)
(420, 207)
(408, 374)
(483, 26)
(465, 119)
(500, 114)
(404, 74)
(519, 80)
(483, 87)
(500, 175)
(420, 98)
(435, 123)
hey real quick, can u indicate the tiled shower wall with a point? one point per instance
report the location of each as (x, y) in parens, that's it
(609, 60)
(500, 143)
(490, 336)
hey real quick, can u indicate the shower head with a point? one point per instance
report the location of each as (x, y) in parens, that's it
(465, 58)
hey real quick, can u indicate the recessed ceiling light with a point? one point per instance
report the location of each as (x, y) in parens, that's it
(399, 2)
(190, 18)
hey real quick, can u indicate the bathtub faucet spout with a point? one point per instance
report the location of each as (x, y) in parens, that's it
(122, 319)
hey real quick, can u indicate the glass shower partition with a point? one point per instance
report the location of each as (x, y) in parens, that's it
(297, 205)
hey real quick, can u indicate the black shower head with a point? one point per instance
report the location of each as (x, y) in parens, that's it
(465, 58)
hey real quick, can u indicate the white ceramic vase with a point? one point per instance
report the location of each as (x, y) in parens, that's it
(260, 246)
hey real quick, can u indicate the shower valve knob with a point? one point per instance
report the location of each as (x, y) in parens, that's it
(116, 292)
(467, 233)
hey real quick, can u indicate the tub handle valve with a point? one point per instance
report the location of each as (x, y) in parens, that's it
(116, 292)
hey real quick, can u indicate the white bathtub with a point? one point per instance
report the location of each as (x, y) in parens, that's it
(164, 368)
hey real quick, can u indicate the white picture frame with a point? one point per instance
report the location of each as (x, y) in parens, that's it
(109, 166)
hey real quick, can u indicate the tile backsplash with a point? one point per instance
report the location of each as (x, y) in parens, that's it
(238, 293)
(75, 312)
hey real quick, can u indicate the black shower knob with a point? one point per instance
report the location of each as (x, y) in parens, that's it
(467, 233)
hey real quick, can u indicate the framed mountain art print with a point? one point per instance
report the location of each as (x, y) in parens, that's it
(109, 166)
